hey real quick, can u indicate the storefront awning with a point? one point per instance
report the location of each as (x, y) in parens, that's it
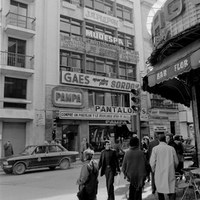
(173, 89)
(166, 80)
(183, 65)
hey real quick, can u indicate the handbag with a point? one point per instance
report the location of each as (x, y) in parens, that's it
(81, 194)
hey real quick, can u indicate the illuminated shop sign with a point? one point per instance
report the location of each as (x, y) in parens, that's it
(98, 48)
(101, 18)
(113, 109)
(104, 37)
(92, 116)
(97, 81)
(64, 97)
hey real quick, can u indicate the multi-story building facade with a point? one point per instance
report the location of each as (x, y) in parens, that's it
(163, 114)
(68, 65)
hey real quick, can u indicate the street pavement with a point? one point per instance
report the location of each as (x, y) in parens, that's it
(59, 185)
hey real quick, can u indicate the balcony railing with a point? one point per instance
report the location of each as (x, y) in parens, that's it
(17, 60)
(160, 103)
(20, 21)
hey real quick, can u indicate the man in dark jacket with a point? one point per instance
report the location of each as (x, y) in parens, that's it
(135, 168)
(109, 165)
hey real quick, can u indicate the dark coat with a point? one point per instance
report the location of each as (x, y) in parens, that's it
(89, 179)
(135, 166)
(8, 150)
(152, 144)
(113, 161)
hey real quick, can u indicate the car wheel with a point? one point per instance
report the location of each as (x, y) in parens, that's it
(65, 164)
(52, 168)
(19, 169)
(7, 171)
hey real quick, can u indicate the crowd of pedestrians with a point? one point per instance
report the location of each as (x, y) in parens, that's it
(155, 159)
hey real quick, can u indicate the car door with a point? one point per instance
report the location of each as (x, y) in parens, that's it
(39, 157)
(54, 154)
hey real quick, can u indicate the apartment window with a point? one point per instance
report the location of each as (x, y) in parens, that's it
(104, 6)
(15, 88)
(127, 71)
(19, 13)
(124, 13)
(96, 98)
(16, 52)
(100, 66)
(70, 27)
(115, 99)
(128, 41)
(71, 61)
(120, 100)
(76, 2)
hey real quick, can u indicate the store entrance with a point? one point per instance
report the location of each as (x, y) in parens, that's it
(70, 137)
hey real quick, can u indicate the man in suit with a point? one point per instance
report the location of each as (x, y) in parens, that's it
(109, 165)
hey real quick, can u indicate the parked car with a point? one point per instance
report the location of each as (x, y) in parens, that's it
(39, 156)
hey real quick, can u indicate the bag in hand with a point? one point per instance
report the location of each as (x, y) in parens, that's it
(81, 194)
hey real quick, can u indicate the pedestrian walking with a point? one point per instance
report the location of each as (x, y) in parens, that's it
(152, 144)
(8, 149)
(84, 146)
(163, 163)
(88, 179)
(109, 166)
(135, 169)
(179, 151)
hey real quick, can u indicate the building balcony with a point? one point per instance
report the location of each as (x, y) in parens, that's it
(20, 25)
(15, 64)
(163, 104)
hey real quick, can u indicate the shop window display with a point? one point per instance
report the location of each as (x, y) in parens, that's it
(99, 133)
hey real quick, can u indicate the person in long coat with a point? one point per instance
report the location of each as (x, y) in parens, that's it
(163, 163)
(89, 176)
(135, 169)
(8, 149)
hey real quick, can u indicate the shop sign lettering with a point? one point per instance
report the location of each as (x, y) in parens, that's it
(62, 97)
(113, 109)
(97, 81)
(181, 65)
(92, 116)
(104, 37)
(101, 18)
(161, 74)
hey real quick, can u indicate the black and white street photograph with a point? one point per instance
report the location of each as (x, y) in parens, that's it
(99, 99)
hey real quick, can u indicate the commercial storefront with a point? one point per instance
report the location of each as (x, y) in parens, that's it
(176, 54)
(97, 108)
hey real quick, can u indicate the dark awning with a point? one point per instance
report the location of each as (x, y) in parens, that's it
(181, 66)
(173, 89)
(166, 81)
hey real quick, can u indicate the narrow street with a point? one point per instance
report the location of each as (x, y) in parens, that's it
(52, 185)
(59, 184)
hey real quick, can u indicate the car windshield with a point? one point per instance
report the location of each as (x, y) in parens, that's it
(28, 150)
